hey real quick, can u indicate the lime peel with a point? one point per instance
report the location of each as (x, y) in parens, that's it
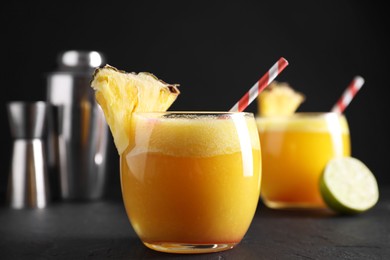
(348, 186)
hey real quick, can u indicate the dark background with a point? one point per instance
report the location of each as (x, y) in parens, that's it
(215, 50)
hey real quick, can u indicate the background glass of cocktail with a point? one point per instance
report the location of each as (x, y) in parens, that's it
(295, 150)
(191, 180)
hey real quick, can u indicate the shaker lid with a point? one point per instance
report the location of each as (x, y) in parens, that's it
(78, 59)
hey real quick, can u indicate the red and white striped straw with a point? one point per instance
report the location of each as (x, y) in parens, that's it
(348, 94)
(260, 85)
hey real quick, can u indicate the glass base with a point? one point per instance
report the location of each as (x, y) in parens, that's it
(293, 205)
(180, 248)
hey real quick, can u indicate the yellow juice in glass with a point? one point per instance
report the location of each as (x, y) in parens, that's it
(295, 151)
(191, 181)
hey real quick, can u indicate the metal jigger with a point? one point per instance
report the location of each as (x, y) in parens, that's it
(28, 180)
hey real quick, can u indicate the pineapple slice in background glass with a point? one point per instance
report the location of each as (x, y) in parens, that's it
(279, 99)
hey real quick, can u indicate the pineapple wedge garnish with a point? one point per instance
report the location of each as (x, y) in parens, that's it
(120, 93)
(279, 99)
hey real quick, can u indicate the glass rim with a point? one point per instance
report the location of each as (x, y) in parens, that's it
(302, 114)
(195, 112)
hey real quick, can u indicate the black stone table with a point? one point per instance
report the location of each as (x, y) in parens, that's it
(100, 230)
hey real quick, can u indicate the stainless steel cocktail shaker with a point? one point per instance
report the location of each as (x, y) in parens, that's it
(78, 133)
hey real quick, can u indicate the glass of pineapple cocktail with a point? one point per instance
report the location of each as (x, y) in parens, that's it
(295, 151)
(190, 180)
(296, 146)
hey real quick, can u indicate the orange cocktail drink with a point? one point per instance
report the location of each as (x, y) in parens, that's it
(191, 180)
(295, 150)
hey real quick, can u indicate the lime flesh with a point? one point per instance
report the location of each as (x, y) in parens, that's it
(348, 186)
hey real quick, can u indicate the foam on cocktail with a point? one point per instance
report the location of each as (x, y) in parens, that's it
(203, 137)
(298, 123)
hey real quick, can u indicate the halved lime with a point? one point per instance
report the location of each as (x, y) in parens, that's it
(348, 186)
